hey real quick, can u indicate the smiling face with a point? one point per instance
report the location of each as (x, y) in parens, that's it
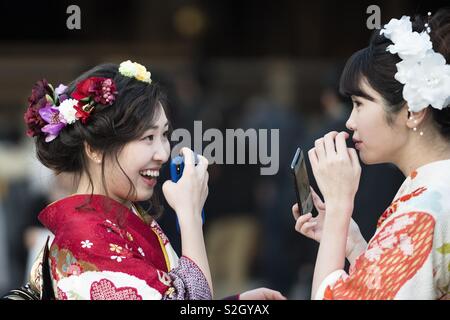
(376, 140)
(141, 160)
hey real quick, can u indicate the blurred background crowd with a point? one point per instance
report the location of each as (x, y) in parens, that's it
(231, 64)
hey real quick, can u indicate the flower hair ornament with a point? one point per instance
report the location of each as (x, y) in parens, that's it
(423, 72)
(50, 110)
(135, 70)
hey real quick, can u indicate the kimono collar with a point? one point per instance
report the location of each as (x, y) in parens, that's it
(430, 175)
(433, 168)
(58, 212)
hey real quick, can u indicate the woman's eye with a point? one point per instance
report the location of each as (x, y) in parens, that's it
(166, 134)
(357, 103)
(149, 138)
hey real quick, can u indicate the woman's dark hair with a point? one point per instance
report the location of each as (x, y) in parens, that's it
(108, 128)
(378, 67)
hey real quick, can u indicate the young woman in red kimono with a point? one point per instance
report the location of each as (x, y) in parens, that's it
(109, 127)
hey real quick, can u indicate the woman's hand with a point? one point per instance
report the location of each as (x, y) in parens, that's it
(337, 172)
(308, 225)
(312, 227)
(336, 169)
(187, 197)
(261, 294)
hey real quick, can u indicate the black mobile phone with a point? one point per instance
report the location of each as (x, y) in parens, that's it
(301, 182)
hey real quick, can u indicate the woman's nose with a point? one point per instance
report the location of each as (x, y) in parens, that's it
(162, 152)
(350, 124)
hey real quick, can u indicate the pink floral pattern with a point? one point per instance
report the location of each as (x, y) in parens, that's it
(106, 290)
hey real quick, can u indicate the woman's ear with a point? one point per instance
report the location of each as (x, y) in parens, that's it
(93, 155)
(415, 119)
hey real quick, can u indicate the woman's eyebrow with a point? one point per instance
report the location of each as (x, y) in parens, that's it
(364, 96)
(156, 126)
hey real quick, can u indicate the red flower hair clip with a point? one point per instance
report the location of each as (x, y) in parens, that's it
(93, 91)
(50, 110)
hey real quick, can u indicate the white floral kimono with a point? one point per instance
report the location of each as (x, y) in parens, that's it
(409, 255)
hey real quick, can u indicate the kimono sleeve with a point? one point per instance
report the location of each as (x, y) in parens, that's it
(441, 257)
(397, 263)
(96, 263)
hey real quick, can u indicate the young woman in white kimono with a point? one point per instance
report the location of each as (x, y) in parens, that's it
(400, 88)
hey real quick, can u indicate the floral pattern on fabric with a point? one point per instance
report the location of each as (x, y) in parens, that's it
(393, 207)
(444, 291)
(393, 256)
(157, 229)
(106, 285)
(105, 251)
(64, 264)
(409, 255)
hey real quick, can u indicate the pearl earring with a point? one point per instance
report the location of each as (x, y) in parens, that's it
(415, 128)
(415, 121)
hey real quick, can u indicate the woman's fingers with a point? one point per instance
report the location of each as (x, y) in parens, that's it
(202, 165)
(189, 162)
(328, 139)
(304, 217)
(274, 295)
(167, 188)
(318, 203)
(341, 145)
(313, 159)
(354, 159)
(308, 227)
(304, 223)
(320, 149)
(295, 211)
(331, 144)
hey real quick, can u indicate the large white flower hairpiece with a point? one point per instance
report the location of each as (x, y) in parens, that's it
(424, 72)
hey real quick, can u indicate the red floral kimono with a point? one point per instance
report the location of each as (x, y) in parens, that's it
(104, 251)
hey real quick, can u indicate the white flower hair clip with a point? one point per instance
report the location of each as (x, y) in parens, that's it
(424, 72)
(135, 70)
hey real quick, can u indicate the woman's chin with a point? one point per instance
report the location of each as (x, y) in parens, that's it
(144, 195)
(368, 160)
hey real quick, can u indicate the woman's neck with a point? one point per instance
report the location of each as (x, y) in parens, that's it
(421, 151)
(84, 187)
